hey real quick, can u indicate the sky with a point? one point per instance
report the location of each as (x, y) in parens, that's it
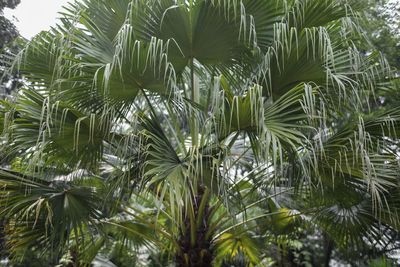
(34, 16)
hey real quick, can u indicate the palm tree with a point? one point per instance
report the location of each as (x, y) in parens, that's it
(200, 129)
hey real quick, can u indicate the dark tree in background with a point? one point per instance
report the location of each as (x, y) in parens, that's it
(383, 29)
(8, 34)
(8, 31)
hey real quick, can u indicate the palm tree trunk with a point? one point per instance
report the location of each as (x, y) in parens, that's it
(196, 248)
(328, 249)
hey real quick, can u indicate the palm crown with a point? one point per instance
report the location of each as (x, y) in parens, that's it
(190, 126)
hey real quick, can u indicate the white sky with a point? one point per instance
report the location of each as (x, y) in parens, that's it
(34, 16)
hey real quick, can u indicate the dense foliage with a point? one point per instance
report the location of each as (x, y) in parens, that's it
(382, 28)
(8, 31)
(9, 46)
(201, 133)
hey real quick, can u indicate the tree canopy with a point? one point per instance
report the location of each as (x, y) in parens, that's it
(8, 31)
(382, 28)
(201, 133)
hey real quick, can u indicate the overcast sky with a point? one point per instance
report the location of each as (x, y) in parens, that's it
(33, 16)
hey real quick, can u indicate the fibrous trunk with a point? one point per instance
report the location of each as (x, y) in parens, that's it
(196, 247)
